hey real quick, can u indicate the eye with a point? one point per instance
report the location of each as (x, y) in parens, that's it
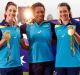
(42, 12)
(60, 11)
(14, 11)
(10, 10)
(65, 11)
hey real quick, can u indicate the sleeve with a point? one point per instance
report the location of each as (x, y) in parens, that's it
(22, 30)
(0, 34)
(53, 31)
(78, 28)
(53, 23)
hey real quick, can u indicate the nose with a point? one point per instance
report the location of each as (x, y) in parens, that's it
(40, 13)
(62, 13)
(13, 14)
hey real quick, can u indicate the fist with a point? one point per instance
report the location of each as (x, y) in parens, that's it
(7, 35)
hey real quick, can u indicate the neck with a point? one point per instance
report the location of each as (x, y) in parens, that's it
(9, 22)
(39, 22)
(65, 22)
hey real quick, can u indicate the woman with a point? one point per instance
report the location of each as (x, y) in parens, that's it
(41, 60)
(68, 39)
(10, 63)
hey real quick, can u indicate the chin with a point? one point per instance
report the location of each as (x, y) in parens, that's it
(64, 19)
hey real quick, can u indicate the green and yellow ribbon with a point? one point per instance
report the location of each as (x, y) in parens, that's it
(2, 26)
(72, 45)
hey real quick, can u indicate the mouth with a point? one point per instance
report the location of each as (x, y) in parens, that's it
(41, 17)
(12, 16)
(64, 17)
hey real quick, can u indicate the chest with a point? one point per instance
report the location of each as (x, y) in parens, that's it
(62, 31)
(14, 32)
(35, 31)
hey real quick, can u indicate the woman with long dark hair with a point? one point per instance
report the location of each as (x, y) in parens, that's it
(10, 63)
(68, 40)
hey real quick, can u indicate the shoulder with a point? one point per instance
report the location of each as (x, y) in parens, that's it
(0, 34)
(55, 22)
(2, 22)
(75, 22)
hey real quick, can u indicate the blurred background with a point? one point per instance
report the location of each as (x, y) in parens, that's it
(50, 5)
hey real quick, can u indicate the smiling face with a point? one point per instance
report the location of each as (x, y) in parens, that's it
(39, 13)
(64, 13)
(10, 13)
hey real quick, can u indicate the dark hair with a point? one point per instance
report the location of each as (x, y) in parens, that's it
(68, 7)
(8, 4)
(38, 4)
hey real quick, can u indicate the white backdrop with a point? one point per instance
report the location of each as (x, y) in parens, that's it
(51, 6)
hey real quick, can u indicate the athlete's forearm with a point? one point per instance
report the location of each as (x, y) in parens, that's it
(23, 45)
(77, 37)
(2, 42)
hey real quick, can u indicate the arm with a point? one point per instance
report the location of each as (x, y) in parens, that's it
(77, 32)
(23, 45)
(22, 42)
(2, 42)
(77, 37)
(54, 38)
(23, 30)
(71, 31)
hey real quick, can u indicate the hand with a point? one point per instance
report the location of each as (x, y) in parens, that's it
(71, 30)
(13, 21)
(7, 35)
(30, 21)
